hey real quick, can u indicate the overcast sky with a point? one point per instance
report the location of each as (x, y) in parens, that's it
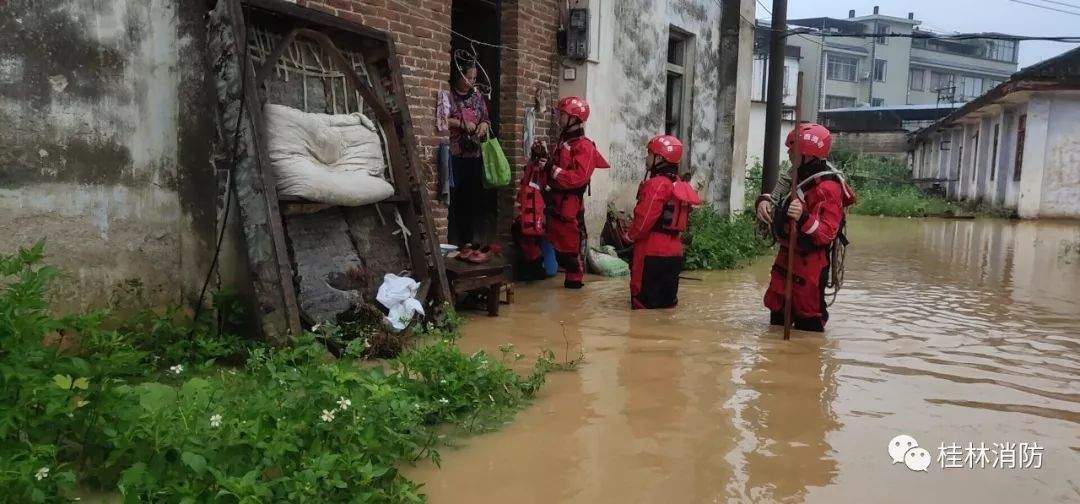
(1002, 16)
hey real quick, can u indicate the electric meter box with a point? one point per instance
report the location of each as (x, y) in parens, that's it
(577, 35)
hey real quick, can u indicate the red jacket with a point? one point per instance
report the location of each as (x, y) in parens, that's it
(650, 231)
(573, 164)
(824, 197)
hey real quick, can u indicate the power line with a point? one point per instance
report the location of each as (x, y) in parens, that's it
(485, 44)
(1046, 7)
(931, 36)
(1066, 4)
(769, 12)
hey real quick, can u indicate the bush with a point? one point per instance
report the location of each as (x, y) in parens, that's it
(884, 187)
(145, 409)
(906, 201)
(716, 241)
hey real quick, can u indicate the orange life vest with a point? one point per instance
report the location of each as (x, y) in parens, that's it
(677, 208)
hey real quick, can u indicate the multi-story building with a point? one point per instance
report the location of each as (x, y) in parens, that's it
(863, 70)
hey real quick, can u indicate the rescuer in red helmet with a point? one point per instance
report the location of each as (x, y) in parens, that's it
(571, 168)
(661, 215)
(818, 208)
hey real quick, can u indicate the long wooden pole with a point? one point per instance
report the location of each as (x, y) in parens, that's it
(793, 225)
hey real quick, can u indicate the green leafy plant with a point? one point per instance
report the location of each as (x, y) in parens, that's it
(716, 241)
(143, 407)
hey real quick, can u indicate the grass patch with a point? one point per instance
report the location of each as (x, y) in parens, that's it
(145, 407)
(716, 241)
(884, 187)
(900, 201)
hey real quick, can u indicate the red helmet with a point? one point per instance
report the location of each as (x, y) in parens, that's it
(667, 147)
(574, 106)
(815, 140)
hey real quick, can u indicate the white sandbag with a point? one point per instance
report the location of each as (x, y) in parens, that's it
(334, 159)
(398, 294)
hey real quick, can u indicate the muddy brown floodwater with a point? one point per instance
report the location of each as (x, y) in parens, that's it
(950, 331)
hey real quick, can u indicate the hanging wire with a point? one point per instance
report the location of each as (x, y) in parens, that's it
(465, 58)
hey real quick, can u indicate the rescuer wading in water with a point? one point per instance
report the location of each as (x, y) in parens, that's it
(662, 214)
(818, 210)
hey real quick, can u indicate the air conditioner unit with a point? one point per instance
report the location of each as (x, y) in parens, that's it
(865, 76)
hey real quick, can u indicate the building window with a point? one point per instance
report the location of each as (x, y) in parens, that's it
(1021, 132)
(994, 151)
(879, 70)
(992, 83)
(940, 81)
(1001, 50)
(917, 80)
(969, 87)
(679, 92)
(877, 102)
(835, 102)
(882, 30)
(842, 68)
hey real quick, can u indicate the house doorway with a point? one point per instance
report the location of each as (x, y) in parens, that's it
(475, 35)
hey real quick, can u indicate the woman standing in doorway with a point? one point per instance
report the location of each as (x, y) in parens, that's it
(469, 125)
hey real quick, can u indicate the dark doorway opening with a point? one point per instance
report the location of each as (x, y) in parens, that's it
(475, 35)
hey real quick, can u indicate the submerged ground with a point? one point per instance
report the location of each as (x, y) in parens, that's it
(950, 331)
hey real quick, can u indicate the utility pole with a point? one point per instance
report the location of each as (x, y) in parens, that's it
(774, 102)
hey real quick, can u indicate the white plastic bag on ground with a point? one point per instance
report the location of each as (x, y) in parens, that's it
(335, 159)
(398, 294)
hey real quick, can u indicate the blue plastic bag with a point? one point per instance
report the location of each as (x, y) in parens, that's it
(551, 266)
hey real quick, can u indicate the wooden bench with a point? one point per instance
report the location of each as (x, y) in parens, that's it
(491, 277)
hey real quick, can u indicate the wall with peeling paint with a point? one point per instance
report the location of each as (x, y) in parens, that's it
(624, 82)
(104, 142)
(1061, 172)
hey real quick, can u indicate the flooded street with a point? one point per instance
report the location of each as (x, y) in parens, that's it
(950, 331)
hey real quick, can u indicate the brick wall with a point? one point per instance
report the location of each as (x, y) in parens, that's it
(421, 32)
(892, 143)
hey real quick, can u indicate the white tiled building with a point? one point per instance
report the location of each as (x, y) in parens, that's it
(862, 71)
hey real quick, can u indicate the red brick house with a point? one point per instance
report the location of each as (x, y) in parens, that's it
(527, 64)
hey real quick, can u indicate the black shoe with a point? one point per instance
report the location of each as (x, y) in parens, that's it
(571, 284)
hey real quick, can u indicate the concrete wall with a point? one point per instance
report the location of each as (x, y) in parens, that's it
(104, 143)
(755, 151)
(1060, 177)
(813, 72)
(896, 52)
(624, 82)
(760, 80)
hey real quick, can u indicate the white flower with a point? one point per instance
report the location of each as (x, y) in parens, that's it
(344, 403)
(315, 328)
(215, 421)
(443, 381)
(327, 415)
(444, 400)
(42, 473)
(177, 369)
